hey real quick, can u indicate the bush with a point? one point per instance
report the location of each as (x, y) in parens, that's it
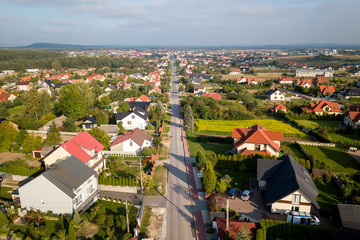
(126, 236)
(210, 230)
(150, 127)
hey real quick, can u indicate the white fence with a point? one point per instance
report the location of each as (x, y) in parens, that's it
(123, 154)
(316, 144)
(46, 132)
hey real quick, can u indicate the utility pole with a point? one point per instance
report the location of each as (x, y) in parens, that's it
(141, 178)
(227, 215)
(127, 217)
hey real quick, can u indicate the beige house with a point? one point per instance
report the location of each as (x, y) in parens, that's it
(287, 185)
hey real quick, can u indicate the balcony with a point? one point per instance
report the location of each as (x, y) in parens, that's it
(84, 204)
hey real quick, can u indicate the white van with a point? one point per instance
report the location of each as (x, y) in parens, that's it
(302, 217)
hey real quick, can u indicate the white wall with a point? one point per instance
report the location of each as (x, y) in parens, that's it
(84, 190)
(283, 207)
(58, 154)
(277, 96)
(263, 147)
(136, 122)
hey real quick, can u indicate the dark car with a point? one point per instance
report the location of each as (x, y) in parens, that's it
(233, 193)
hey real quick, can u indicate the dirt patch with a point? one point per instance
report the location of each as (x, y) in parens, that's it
(156, 222)
(87, 230)
(9, 156)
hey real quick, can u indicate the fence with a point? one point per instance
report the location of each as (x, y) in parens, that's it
(123, 154)
(316, 144)
(122, 189)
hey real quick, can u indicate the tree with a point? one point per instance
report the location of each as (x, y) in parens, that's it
(71, 232)
(189, 118)
(4, 223)
(56, 64)
(102, 118)
(121, 128)
(86, 93)
(46, 118)
(123, 107)
(101, 136)
(104, 101)
(70, 125)
(221, 186)
(209, 179)
(77, 218)
(53, 137)
(241, 235)
(31, 142)
(8, 135)
(71, 104)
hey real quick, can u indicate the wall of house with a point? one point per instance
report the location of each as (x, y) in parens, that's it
(285, 204)
(277, 96)
(348, 122)
(40, 194)
(263, 147)
(85, 191)
(126, 148)
(137, 122)
(58, 154)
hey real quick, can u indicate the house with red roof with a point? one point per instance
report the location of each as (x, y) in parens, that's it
(142, 98)
(96, 76)
(286, 80)
(124, 85)
(2, 90)
(320, 80)
(4, 97)
(305, 83)
(23, 86)
(235, 226)
(252, 81)
(131, 142)
(257, 140)
(277, 108)
(327, 90)
(154, 90)
(322, 107)
(352, 117)
(241, 80)
(235, 71)
(213, 95)
(84, 146)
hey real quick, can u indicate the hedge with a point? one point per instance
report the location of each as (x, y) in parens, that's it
(117, 181)
(18, 168)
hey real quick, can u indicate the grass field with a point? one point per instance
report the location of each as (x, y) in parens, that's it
(312, 124)
(160, 175)
(4, 194)
(345, 137)
(328, 197)
(338, 159)
(225, 127)
(145, 223)
(164, 153)
(211, 148)
(294, 151)
(20, 110)
(239, 179)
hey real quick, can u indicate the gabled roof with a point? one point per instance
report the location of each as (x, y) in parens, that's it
(320, 105)
(5, 96)
(142, 106)
(136, 135)
(213, 95)
(278, 106)
(354, 114)
(349, 215)
(257, 134)
(143, 114)
(285, 79)
(275, 89)
(69, 174)
(90, 120)
(287, 177)
(327, 89)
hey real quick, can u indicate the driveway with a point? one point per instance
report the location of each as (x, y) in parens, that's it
(255, 208)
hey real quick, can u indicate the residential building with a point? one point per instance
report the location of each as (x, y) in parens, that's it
(131, 142)
(287, 185)
(59, 122)
(327, 90)
(96, 76)
(277, 108)
(133, 119)
(250, 81)
(322, 107)
(84, 146)
(67, 186)
(199, 88)
(349, 216)
(89, 123)
(23, 86)
(313, 73)
(276, 94)
(305, 83)
(4, 97)
(348, 93)
(286, 80)
(320, 80)
(142, 98)
(257, 140)
(352, 117)
(14, 125)
(235, 71)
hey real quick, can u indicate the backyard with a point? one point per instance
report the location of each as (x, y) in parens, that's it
(338, 159)
(239, 179)
(205, 147)
(312, 124)
(327, 198)
(345, 137)
(160, 178)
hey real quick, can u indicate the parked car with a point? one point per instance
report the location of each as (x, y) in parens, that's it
(302, 217)
(233, 193)
(245, 196)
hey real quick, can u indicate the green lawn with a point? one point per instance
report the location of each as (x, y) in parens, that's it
(126, 172)
(211, 148)
(338, 159)
(160, 175)
(164, 153)
(328, 197)
(4, 193)
(312, 124)
(345, 137)
(239, 179)
(145, 223)
(295, 151)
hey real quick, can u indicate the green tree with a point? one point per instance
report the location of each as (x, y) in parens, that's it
(221, 186)
(104, 101)
(189, 118)
(70, 125)
(4, 223)
(77, 218)
(31, 142)
(101, 136)
(123, 107)
(102, 118)
(209, 179)
(87, 94)
(53, 137)
(71, 104)
(126, 236)
(56, 64)
(241, 235)
(4, 112)
(46, 118)
(121, 128)
(8, 135)
(71, 232)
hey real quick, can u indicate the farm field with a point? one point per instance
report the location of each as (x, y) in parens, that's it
(338, 159)
(312, 124)
(225, 127)
(345, 137)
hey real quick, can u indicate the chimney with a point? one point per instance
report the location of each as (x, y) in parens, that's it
(246, 131)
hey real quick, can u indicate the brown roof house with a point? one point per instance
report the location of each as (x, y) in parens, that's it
(322, 107)
(131, 143)
(352, 117)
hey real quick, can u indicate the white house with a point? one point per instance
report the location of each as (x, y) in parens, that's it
(133, 119)
(352, 118)
(257, 140)
(131, 142)
(84, 146)
(23, 86)
(276, 94)
(67, 186)
(286, 184)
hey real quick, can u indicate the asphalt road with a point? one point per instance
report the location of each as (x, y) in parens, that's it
(179, 205)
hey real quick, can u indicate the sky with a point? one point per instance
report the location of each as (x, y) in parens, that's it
(179, 22)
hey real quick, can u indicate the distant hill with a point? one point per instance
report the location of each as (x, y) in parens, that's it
(61, 46)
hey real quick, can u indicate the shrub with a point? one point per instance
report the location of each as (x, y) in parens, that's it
(126, 236)
(210, 230)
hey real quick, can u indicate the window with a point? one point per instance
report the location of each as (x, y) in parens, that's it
(296, 199)
(129, 122)
(42, 201)
(90, 188)
(131, 144)
(294, 208)
(257, 147)
(77, 200)
(133, 116)
(275, 97)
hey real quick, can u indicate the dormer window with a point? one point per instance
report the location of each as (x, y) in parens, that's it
(133, 116)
